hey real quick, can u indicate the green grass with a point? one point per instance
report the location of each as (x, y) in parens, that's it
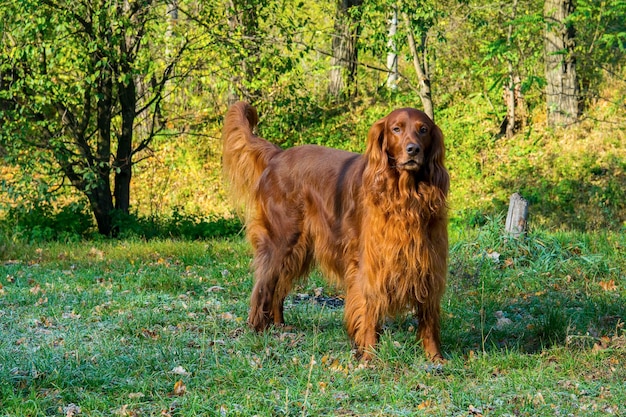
(530, 327)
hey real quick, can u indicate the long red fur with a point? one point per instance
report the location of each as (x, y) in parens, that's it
(374, 226)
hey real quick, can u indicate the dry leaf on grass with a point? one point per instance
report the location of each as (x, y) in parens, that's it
(96, 253)
(180, 388)
(71, 410)
(608, 285)
(150, 334)
(70, 315)
(179, 370)
(424, 404)
(475, 411)
(124, 411)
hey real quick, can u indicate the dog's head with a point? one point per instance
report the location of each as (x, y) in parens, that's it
(408, 140)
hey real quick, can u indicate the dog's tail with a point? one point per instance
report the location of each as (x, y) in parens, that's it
(244, 154)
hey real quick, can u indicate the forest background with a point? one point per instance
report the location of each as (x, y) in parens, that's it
(110, 111)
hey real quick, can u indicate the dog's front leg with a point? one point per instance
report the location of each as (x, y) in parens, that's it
(429, 329)
(362, 321)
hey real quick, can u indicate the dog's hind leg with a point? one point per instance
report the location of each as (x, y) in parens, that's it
(277, 265)
(266, 265)
(295, 264)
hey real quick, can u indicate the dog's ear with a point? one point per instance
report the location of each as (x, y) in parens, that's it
(437, 173)
(376, 151)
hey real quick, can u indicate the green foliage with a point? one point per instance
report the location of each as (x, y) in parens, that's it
(277, 54)
(78, 83)
(601, 41)
(43, 223)
(178, 225)
(73, 223)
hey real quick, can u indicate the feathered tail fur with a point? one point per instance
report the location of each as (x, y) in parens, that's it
(245, 155)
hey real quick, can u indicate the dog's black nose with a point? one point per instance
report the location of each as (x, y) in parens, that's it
(412, 149)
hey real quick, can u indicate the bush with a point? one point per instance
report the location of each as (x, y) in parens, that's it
(70, 223)
(74, 222)
(179, 225)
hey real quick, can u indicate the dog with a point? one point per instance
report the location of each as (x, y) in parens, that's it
(375, 223)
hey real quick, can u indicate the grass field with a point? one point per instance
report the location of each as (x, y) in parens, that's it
(129, 328)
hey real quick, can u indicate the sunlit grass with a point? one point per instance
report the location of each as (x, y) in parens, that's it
(530, 327)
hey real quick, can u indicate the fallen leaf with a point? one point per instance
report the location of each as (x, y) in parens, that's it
(494, 256)
(123, 411)
(171, 410)
(179, 370)
(227, 316)
(180, 388)
(424, 404)
(503, 322)
(71, 410)
(475, 411)
(44, 322)
(96, 253)
(150, 334)
(608, 285)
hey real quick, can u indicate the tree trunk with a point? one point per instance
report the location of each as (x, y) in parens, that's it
(345, 53)
(517, 217)
(123, 158)
(512, 86)
(99, 194)
(172, 21)
(392, 54)
(562, 92)
(421, 70)
(102, 208)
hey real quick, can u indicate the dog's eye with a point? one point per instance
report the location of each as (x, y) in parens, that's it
(423, 130)
(396, 129)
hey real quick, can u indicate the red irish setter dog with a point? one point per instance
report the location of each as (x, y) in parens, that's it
(375, 223)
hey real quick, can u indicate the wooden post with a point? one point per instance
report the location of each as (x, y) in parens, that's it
(517, 218)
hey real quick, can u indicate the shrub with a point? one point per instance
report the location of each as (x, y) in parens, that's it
(46, 223)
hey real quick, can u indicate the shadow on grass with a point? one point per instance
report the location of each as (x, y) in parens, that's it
(527, 324)
(532, 323)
